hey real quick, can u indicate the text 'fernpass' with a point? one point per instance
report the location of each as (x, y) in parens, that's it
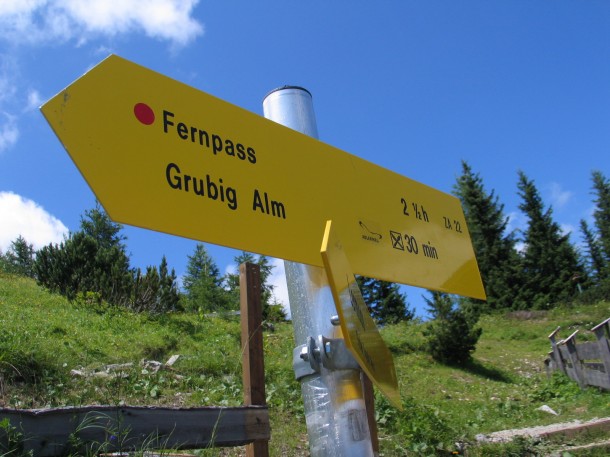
(199, 183)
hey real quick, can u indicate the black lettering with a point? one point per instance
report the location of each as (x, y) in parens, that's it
(174, 181)
(232, 198)
(202, 134)
(200, 190)
(257, 203)
(193, 134)
(251, 155)
(166, 121)
(182, 130)
(210, 140)
(212, 188)
(216, 144)
(222, 190)
(215, 190)
(277, 209)
(229, 148)
(241, 153)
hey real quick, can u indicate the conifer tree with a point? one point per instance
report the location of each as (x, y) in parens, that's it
(497, 258)
(19, 258)
(595, 257)
(155, 291)
(68, 267)
(93, 259)
(601, 215)
(169, 297)
(451, 335)
(550, 262)
(386, 304)
(98, 225)
(203, 283)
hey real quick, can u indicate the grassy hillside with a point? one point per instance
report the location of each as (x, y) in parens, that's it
(54, 353)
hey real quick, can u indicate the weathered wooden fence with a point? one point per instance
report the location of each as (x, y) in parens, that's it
(586, 363)
(104, 429)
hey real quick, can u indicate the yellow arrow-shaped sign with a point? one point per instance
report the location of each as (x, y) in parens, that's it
(359, 330)
(164, 156)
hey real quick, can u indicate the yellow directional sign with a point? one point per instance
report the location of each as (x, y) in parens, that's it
(359, 330)
(164, 156)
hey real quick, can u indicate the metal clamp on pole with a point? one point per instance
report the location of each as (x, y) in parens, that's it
(331, 353)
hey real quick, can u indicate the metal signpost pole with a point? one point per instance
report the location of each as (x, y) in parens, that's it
(330, 379)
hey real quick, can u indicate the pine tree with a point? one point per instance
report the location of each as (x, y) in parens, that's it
(203, 283)
(550, 262)
(20, 258)
(451, 335)
(169, 297)
(145, 291)
(495, 251)
(92, 259)
(386, 304)
(595, 256)
(98, 225)
(601, 215)
(68, 267)
(155, 291)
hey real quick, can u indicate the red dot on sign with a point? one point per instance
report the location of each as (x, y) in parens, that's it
(144, 113)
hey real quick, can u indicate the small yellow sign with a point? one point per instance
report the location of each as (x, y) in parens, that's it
(164, 156)
(359, 330)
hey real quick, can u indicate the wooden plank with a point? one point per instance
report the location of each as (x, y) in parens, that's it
(564, 354)
(596, 366)
(253, 364)
(61, 431)
(601, 332)
(596, 378)
(553, 335)
(252, 334)
(578, 374)
(603, 324)
(559, 361)
(588, 350)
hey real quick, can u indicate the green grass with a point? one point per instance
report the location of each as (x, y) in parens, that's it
(43, 337)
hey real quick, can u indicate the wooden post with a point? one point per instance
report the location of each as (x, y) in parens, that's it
(560, 364)
(253, 371)
(602, 332)
(369, 400)
(577, 369)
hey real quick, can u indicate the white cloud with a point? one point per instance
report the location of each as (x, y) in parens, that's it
(559, 197)
(34, 100)
(231, 269)
(21, 216)
(36, 21)
(9, 133)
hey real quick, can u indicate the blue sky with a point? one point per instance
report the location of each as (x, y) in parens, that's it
(415, 87)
